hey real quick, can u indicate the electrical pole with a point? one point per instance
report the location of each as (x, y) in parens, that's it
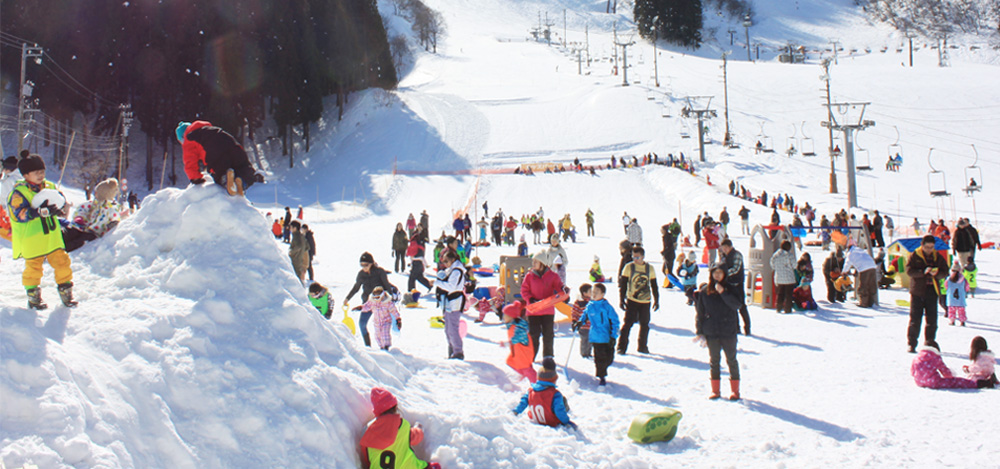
(701, 114)
(732, 35)
(579, 62)
(614, 50)
(835, 43)
(586, 38)
(725, 88)
(656, 67)
(624, 46)
(829, 119)
(564, 27)
(25, 90)
(909, 37)
(747, 22)
(849, 130)
(126, 118)
(548, 29)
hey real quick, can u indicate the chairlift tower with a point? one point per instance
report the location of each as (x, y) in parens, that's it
(849, 129)
(624, 46)
(701, 114)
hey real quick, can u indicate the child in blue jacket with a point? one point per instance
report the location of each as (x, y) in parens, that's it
(688, 274)
(603, 330)
(545, 404)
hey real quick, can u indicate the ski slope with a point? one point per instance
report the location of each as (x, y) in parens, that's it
(193, 345)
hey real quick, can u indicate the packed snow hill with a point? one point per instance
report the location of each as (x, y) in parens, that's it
(195, 344)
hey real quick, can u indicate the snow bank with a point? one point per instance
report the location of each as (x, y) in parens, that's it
(193, 346)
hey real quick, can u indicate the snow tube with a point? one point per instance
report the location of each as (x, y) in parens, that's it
(648, 427)
(989, 245)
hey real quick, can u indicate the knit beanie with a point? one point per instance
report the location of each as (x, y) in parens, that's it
(29, 164)
(548, 370)
(367, 257)
(10, 163)
(106, 190)
(382, 400)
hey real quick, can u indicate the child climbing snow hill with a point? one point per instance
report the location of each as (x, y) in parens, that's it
(545, 404)
(603, 331)
(388, 441)
(321, 299)
(384, 310)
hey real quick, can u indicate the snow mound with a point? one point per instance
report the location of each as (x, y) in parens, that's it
(193, 346)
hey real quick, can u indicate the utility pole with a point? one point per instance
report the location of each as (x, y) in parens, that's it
(586, 39)
(126, 119)
(656, 67)
(624, 46)
(564, 27)
(26, 89)
(849, 130)
(614, 50)
(701, 114)
(747, 22)
(909, 37)
(829, 119)
(732, 35)
(725, 88)
(942, 52)
(835, 43)
(579, 62)
(548, 29)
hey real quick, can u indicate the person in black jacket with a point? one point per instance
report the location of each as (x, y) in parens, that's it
(832, 268)
(399, 243)
(669, 251)
(964, 242)
(369, 277)
(286, 226)
(732, 261)
(717, 324)
(311, 240)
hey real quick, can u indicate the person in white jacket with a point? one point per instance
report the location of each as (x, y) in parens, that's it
(8, 177)
(783, 263)
(451, 290)
(867, 277)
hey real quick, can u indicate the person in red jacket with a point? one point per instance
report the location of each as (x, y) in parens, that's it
(538, 284)
(389, 438)
(205, 145)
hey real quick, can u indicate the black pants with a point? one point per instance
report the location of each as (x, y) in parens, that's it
(417, 275)
(604, 356)
(310, 269)
(784, 294)
(590, 229)
(400, 264)
(542, 326)
(634, 311)
(727, 344)
(744, 312)
(879, 242)
(926, 307)
(668, 261)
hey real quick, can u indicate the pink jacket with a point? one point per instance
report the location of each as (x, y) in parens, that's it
(384, 312)
(982, 368)
(929, 371)
(535, 288)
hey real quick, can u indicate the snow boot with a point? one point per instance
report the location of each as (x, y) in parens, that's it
(734, 385)
(230, 182)
(66, 294)
(716, 392)
(239, 187)
(35, 299)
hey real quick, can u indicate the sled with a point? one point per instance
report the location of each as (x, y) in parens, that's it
(672, 280)
(437, 322)
(349, 322)
(566, 310)
(903, 303)
(648, 427)
(548, 302)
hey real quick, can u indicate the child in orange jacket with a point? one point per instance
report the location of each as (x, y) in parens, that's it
(522, 349)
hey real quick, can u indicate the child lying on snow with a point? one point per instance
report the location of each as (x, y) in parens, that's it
(545, 404)
(389, 438)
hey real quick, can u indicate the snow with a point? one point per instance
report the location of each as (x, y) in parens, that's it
(194, 345)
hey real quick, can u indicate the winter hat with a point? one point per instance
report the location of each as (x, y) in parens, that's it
(543, 258)
(514, 309)
(29, 164)
(597, 259)
(382, 401)
(554, 238)
(106, 190)
(367, 257)
(692, 256)
(522, 238)
(956, 267)
(548, 370)
(10, 163)
(181, 130)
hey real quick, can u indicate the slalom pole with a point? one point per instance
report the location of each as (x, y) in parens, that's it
(66, 159)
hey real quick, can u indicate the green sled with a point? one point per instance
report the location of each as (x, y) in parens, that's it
(648, 427)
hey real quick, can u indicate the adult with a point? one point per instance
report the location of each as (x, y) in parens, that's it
(775, 221)
(399, 244)
(369, 277)
(540, 283)
(458, 224)
(634, 233)
(451, 290)
(926, 268)
(467, 228)
(286, 228)
(744, 220)
(711, 237)
(697, 231)
(867, 284)
(556, 253)
(965, 242)
(298, 252)
(732, 260)
(724, 221)
(639, 282)
(929, 370)
(716, 322)
(311, 242)
(590, 222)
(205, 145)
(9, 176)
(877, 225)
(832, 267)
(496, 229)
(669, 249)
(626, 220)
(783, 264)
(411, 224)
(891, 226)
(425, 225)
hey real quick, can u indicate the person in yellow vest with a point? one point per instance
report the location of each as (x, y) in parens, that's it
(36, 236)
(388, 439)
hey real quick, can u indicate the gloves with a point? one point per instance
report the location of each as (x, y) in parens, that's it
(43, 212)
(656, 306)
(399, 324)
(198, 181)
(257, 177)
(575, 326)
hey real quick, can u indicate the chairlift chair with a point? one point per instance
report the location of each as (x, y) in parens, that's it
(808, 146)
(791, 142)
(685, 129)
(862, 159)
(935, 179)
(896, 150)
(973, 176)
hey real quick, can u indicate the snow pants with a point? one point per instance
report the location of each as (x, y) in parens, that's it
(451, 321)
(956, 311)
(585, 345)
(927, 308)
(604, 356)
(400, 262)
(784, 293)
(363, 320)
(542, 326)
(867, 288)
(635, 312)
(939, 382)
(58, 259)
(728, 345)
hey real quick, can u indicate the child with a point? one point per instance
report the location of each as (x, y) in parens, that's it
(522, 247)
(582, 327)
(384, 309)
(595, 271)
(390, 438)
(35, 233)
(982, 364)
(970, 274)
(321, 299)
(545, 404)
(603, 331)
(957, 288)
(929, 370)
(688, 273)
(522, 349)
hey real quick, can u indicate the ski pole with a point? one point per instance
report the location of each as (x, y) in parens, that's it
(566, 366)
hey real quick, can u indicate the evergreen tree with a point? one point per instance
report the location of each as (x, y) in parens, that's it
(676, 21)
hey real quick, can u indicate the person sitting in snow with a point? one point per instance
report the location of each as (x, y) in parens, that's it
(389, 439)
(205, 145)
(982, 363)
(34, 205)
(321, 299)
(522, 348)
(522, 247)
(545, 404)
(595, 271)
(929, 370)
(380, 304)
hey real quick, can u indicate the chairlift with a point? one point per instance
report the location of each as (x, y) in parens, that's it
(895, 150)
(808, 146)
(862, 160)
(791, 142)
(765, 142)
(974, 176)
(935, 179)
(685, 129)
